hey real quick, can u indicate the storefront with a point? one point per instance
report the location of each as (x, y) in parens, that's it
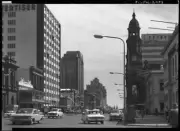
(29, 97)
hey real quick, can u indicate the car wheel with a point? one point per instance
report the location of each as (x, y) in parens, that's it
(13, 123)
(38, 121)
(84, 122)
(31, 122)
(102, 122)
(48, 117)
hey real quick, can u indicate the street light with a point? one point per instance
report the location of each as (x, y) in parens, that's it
(116, 73)
(100, 37)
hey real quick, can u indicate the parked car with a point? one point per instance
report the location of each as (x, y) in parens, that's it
(92, 116)
(26, 115)
(55, 113)
(9, 113)
(116, 115)
(42, 115)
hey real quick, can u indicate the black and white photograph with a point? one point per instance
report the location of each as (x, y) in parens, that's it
(90, 65)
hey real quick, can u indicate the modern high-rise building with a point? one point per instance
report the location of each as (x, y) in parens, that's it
(72, 72)
(32, 36)
(152, 46)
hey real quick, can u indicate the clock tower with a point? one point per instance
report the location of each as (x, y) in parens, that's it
(134, 63)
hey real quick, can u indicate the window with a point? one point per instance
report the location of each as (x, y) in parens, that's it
(11, 30)
(11, 45)
(11, 53)
(11, 14)
(11, 38)
(175, 64)
(153, 37)
(161, 107)
(11, 22)
(161, 86)
(172, 66)
(161, 37)
(177, 96)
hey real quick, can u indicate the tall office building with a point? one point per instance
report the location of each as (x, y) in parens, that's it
(152, 46)
(72, 71)
(32, 35)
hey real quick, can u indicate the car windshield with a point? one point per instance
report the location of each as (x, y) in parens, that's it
(10, 111)
(93, 112)
(54, 109)
(115, 111)
(25, 111)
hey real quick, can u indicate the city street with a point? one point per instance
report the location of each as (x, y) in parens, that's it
(71, 121)
(66, 121)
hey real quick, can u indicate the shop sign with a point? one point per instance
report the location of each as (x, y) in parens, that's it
(18, 7)
(26, 84)
(37, 100)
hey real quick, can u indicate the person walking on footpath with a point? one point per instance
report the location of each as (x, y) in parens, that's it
(142, 114)
(166, 112)
(174, 116)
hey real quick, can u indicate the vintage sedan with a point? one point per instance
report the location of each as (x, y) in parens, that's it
(9, 113)
(92, 116)
(26, 115)
(116, 115)
(55, 113)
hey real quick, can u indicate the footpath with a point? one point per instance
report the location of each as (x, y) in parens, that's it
(151, 121)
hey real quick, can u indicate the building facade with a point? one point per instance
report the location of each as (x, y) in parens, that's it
(97, 94)
(9, 85)
(152, 46)
(171, 64)
(35, 76)
(32, 35)
(155, 92)
(72, 72)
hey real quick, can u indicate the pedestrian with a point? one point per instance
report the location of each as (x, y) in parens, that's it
(156, 111)
(142, 114)
(174, 116)
(166, 113)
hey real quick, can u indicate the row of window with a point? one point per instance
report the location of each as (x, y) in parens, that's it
(153, 37)
(52, 36)
(11, 22)
(51, 81)
(51, 62)
(11, 53)
(11, 14)
(13, 45)
(174, 61)
(50, 18)
(11, 38)
(11, 30)
(54, 91)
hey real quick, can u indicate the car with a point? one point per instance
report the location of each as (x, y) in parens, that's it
(92, 116)
(9, 113)
(116, 115)
(55, 113)
(26, 115)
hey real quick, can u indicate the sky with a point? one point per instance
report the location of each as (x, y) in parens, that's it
(79, 22)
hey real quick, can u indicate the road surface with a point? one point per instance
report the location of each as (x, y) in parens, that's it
(66, 121)
(71, 121)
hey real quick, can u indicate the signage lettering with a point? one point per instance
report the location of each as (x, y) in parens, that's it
(18, 7)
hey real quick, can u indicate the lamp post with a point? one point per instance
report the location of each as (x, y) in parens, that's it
(100, 37)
